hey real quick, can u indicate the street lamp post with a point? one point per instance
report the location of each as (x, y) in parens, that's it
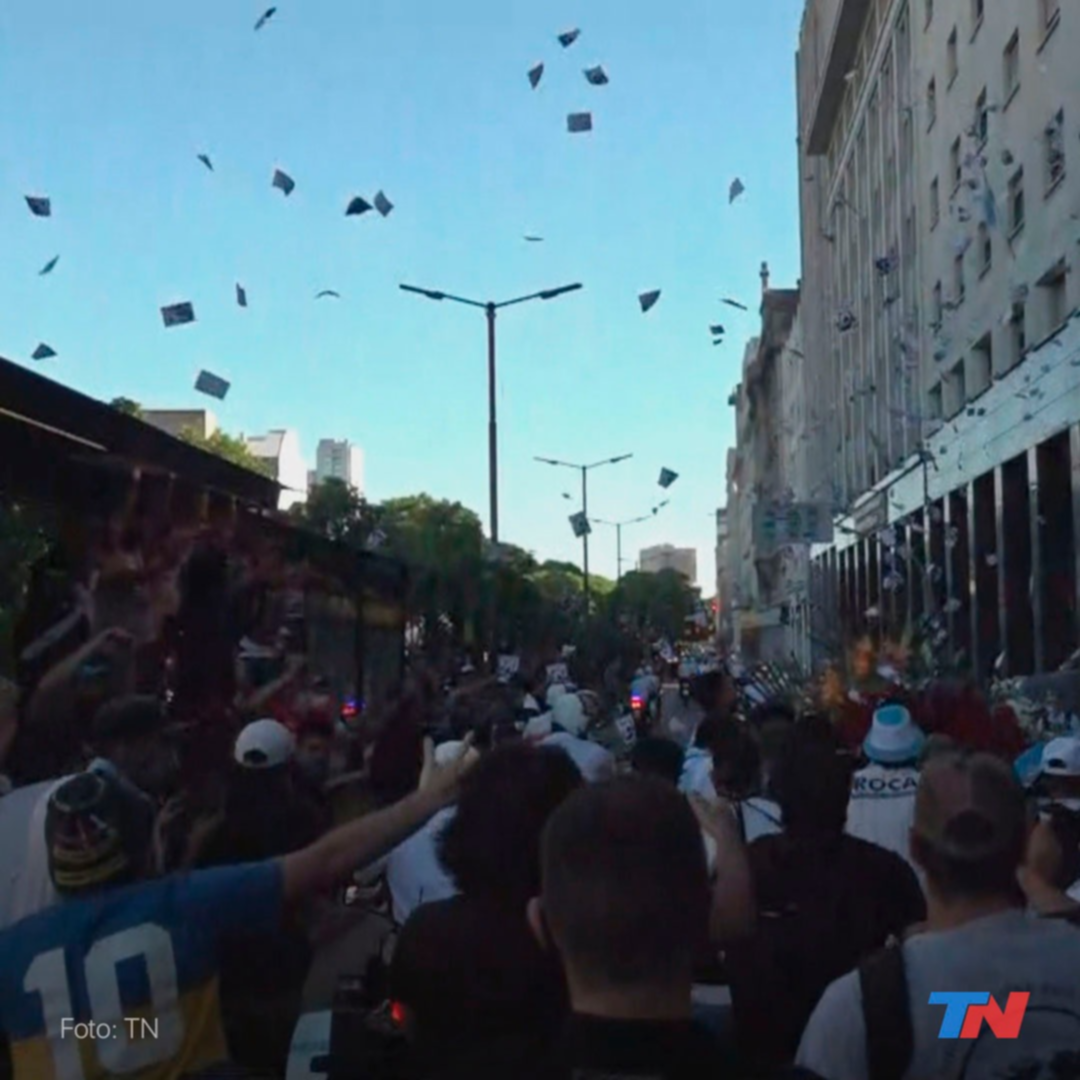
(618, 526)
(490, 308)
(585, 470)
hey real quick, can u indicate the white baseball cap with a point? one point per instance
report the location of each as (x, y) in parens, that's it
(264, 744)
(1061, 757)
(569, 713)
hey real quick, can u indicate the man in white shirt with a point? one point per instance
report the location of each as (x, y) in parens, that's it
(969, 836)
(882, 803)
(414, 872)
(568, 726)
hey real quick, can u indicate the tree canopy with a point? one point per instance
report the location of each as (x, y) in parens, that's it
(469, 591)
(126, 405)
(230, 447)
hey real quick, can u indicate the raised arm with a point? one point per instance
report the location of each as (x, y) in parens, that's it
(335, 856)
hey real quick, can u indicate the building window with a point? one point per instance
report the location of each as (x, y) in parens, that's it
(1016, 202)
(1012, 66)
(1054, 143)
(931, 103)
(955, 165)
(982, 118)
(978, 10)
(958, 388)
(1054, 284)
(982, 365)
(986, 249)
(1018, 331)
(935, 203)
(959, 289)
(1050, 13)
(938, 305)
(952, 58)
(936, 409)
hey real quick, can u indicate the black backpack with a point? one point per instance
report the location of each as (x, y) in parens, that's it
(890, 1038)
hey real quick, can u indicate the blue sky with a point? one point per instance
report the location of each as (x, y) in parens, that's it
(108, 105)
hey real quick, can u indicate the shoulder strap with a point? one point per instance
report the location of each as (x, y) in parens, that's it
(890, 1040)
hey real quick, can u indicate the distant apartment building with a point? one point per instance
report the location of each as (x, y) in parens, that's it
(668, 557)
(341, 460)
(175, 421)
(279, 450)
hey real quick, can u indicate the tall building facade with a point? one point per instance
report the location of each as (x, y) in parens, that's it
(668, 557)
(770, 585)
(341, 460)
(940, 200)
(279, 450)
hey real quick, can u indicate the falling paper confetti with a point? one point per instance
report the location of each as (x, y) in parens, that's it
(735, 304)
(952, 606)
(648, 299)
(846, 321)
(49, 267)
(991, 561)
(177, 314)
(383, 204)
(667, 478)
(376, 540)
(952, 537)
(717, 330)
(568, 37)
(885, 265)
(872, 613)
(212, 385)
(204, 158)
(596, 76)
(737, 188)
(42, 352)
(579, 122)
(283, 182)
(534, 239)
(535, 75)
(328, 292)
(39, 205)
(357, 207)
(265, 17)
(580, 524)
(241, 295)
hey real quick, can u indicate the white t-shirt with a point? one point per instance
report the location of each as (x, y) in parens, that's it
(999, 954)
(413, 871)
(882, 807)
(594, 762)
(761, 817)
(25, 885)
(696, 776)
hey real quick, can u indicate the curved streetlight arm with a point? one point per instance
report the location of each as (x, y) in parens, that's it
(435, 294)
(561, 464)
(545, 294)
(608, 461)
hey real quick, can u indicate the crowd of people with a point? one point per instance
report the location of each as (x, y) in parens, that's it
(502, 877)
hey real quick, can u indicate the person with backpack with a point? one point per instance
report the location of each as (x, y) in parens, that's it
(825, 900)
(888, 1021)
